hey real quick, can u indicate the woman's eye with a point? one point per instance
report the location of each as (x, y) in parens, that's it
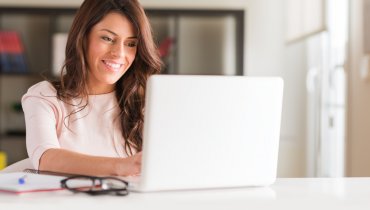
(105, 38)
(131, 44)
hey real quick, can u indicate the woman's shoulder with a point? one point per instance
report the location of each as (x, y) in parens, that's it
(38, 94)
(43, 88)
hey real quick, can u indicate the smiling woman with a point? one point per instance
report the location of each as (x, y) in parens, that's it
(112, 46)
(90, 121)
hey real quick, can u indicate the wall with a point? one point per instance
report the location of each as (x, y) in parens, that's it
(41, 3)
(265, 55)
(268, 55)
(221, 4)
(358, 144)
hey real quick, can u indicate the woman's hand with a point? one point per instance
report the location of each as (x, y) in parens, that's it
(130, 166)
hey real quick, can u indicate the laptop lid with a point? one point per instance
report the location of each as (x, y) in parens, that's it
(210, 132)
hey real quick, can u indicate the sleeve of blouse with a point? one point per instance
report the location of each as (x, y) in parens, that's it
(41, 117)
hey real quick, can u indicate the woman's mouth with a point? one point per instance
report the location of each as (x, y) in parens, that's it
(112, 65)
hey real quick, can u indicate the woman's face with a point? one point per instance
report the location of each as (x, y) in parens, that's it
(111, 49)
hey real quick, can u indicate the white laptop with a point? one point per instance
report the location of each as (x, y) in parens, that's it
(204, 132)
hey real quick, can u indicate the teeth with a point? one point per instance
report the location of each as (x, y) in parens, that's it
(113, 65)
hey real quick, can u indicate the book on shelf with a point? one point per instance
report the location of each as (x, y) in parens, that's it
(3, 159)
(12, 56)
(59, 43)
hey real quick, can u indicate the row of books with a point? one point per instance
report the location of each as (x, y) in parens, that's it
(12, 55)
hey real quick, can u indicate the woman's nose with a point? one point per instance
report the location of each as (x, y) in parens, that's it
(118, 50)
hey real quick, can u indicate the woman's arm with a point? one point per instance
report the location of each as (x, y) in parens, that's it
(65, 161)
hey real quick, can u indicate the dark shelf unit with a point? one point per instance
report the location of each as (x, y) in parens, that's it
(50, 16)
(238, 15)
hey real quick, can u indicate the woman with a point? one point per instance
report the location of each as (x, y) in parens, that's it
(90, 121)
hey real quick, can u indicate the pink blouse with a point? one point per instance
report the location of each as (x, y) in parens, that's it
(94, 130)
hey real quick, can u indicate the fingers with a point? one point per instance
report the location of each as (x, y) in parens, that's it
(138, 156)
(135, 164)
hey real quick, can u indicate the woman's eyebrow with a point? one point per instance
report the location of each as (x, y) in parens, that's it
(115, 34)
(109, 31)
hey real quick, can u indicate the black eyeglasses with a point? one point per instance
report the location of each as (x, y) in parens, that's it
(94, 185)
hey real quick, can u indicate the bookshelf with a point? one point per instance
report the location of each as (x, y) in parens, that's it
(192, 41)
(197, 37)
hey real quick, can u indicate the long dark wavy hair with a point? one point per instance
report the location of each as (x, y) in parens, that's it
(130, 88)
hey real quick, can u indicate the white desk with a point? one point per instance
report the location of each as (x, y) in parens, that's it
(285, 194)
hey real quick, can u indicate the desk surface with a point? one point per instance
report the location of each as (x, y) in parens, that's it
(285, 194)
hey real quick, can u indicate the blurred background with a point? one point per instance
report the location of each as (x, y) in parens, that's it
(319, 47)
